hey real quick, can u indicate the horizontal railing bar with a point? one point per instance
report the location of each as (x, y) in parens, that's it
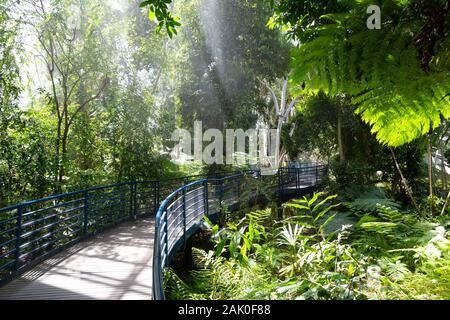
(179, 229)
(50, 243)
(32, 222)
(171, 225)
(48, 234)
(7, 253)
(59, 205)
(4, 244)
(192, 205)
(9, 230)
(8, 220)
(57, 196)
(30, 233)
(175, 209)
(106, 206)
(7, 264)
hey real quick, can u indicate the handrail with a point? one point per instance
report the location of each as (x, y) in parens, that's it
(32, 231)
(158, 290)
(53, 223)
(164, 247)
(56, 196)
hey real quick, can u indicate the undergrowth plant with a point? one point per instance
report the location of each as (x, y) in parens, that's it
(388, 254)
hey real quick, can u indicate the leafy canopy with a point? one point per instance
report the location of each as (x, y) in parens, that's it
(159, 11)
(399, 74)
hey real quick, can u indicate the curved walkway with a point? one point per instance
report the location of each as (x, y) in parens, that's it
(115, 265)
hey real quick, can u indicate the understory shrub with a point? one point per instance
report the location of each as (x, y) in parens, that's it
(385, 254)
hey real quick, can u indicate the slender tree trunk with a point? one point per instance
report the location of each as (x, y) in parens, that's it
(404, 181)
(278, 144)
(430, 175)
(443, 171)
(445, 204)
(57, 153)
(64, 138)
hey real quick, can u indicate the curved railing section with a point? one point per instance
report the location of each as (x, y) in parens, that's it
(35, 230)
(32, 231)
(181, 213)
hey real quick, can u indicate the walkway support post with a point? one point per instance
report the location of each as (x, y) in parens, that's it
(85, 212)
(18, 238)
(221, 195)
(205, 197)
(131, 199)
(156, 197)
(184, 216)
(239, 181)
(135, 200)
(166, 231)
(279, 183)
(317, 174)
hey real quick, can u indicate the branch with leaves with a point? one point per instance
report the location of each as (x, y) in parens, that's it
(158, 11)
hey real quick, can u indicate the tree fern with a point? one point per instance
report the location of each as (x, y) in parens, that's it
(394, 93)
(371, 201)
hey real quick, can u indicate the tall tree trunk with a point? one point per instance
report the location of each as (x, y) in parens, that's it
(408, 190)
(278, 152)
(443, 171)
(63, 156)
(57, 154)
(445, 204)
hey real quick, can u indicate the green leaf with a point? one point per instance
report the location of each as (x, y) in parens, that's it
(145, 3)
(317, 207)
(151, 15)
(297, 206)
(314, 198)
(327, 222)
(220, 246)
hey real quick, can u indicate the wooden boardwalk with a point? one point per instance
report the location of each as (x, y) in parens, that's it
(115, 265)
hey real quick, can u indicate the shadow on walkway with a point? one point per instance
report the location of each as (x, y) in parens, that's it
(114, 265)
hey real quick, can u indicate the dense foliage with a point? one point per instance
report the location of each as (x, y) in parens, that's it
(397, 75)
(91, 91)
(91, 94)
(327, 128)
(321, 252)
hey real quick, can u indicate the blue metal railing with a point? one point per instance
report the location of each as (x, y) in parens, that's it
(32, 231)
(35, 230)
(180, 214)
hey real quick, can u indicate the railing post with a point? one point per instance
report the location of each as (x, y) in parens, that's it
(18, 238)
(221, 195)
(239, 180)
(205, 197)
(86, 212)
(184, 216)
(166, 230)
(279, 173)
(157, 188)
(317, 175)
(135, 200)
(258, 174)
(157, 292)
(131, 198)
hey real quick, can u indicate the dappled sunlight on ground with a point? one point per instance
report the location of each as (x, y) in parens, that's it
(115, 265)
